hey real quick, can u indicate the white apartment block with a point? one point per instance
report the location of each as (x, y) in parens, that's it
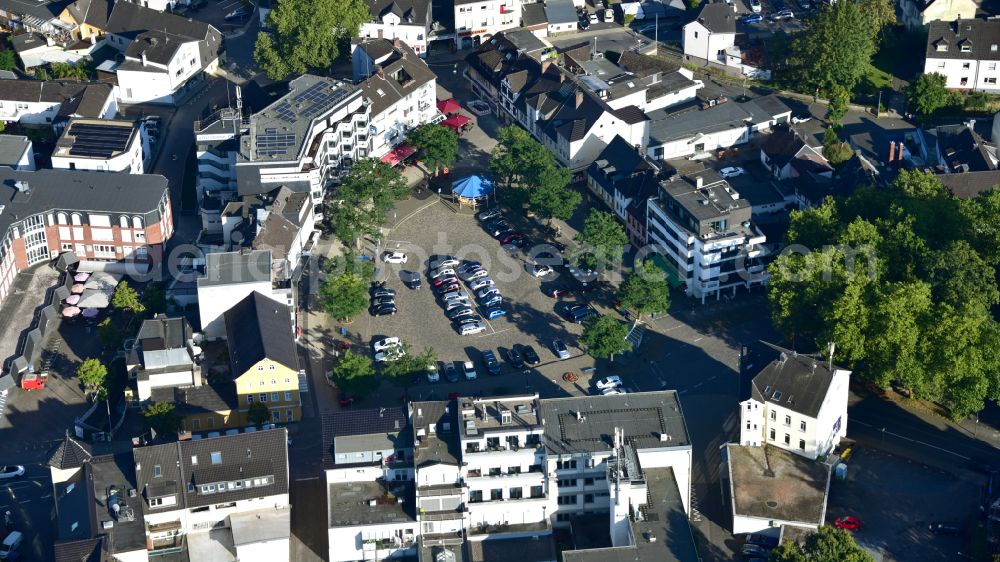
(711, 33)
(406, 20)
(477, 20)
(102, 146)
(798, 403)
(966, 52)
(702, 227)
(229, 277)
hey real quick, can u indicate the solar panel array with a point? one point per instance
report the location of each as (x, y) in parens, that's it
(284, 111)
(98, 141)
(321, 98)
(270, 144)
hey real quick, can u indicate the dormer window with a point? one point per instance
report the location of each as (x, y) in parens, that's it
(966, 47)
(942, 47)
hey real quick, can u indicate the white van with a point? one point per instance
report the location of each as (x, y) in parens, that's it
(10, 544)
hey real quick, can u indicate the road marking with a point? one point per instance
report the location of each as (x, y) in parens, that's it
(884, 432)
(698, 339)
(24, 502)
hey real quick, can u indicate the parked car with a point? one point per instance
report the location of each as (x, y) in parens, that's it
(476, 274)
(801, 119)
(580, 315)
(530, 356)
(594, 18)
(480, 283)
(556, 292)
(456, 296)
(432, 373)
(470, 371)
(471, 319)
(411, 279)
(389, 355)
(782, 15)
(443, 272)
(945, 528)
(10, 544)
(487, 291)
(762, 540)
(384, 310)
(460, 312)
(495, 312)
(512, 237)
(489, 214)
(560, 350)
(383, 300)
(442, 261)
(386, 343)
(394, 257)
(472, 329)
(494, 300)
(612, 381)
(499, 229)
(451, 373)
(754, 550)
(382, 292)
(612, 391)
(239, 14)
(11, 471)
(448, 288)
(492, 365)
(752, 18)
(469, 266)
(850, 522)
(584, 23)
(732, 172)
(453, 304)
(541, 271)
(451, 279)
(515, 358)
(755, 6)
(496, 223)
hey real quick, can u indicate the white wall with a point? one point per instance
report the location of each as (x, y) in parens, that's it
(173, 379)
(360, 474)
(673, 98)
(203, 520)
(413, 35)
(129, 162)
(702, 43)
(484, 18)
(269, 551)
(215, 300)
(437, 474)
(751, 423)
(982, 76)
(346, 542)
(391, 124)
(771, 527)
(28, 113)
(711, 141)
(679, 459)
(144, 87)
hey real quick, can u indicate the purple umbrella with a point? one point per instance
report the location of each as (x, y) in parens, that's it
(90, 313)
(70, 311)
(72, 299)
(77, 288)
(81, 277)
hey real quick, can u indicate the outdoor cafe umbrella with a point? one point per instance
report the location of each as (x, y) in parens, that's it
(449, 106)
(70, 311)
(72, 299)
(81, 277)
(471, 189)
(77, 289)
(90, 313)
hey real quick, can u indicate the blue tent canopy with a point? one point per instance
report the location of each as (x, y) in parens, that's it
(472, 187)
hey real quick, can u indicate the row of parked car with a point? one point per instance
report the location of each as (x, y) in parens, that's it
(447, 275)
(383, 300)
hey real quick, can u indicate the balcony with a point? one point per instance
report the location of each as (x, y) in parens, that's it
(484, 529)
(392, 543)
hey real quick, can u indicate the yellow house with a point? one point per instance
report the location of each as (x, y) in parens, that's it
(90, 17)
(263, 357)
(203, 408)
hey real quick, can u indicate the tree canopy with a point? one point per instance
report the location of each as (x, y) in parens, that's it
(8, 60)
(438, 145)
(602, 241)
(258, 414)
(928, 94)
(307, 34)
(344, 295)
(367, 193)
(836, 49)
(604, 337)
(78, 71)
(645, 289)
(829, 544)
(902, 280)
(355, 374)
(92, 374)
(402, 370)
(530, 175)
(161, 418)
(127, 298)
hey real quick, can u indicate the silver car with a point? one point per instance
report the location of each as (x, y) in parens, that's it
(472, 328)
(480, 283)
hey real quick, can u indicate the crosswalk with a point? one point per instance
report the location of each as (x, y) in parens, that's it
(303, 382)
(3, 403)
(635, 334)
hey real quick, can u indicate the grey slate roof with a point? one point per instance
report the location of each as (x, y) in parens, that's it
(782, 145)
(12, 148)
(644, 417)
(560, 11)
(402, 74)
(130, 20)
(412, 12)
(42, 10)
(981, 38)
(79, 190)
(92, 12)
(718, 17)
(224, 268)
(162, 332)
(69, 454)
(66, 92)
(533, 14)
(243, 456)
(157, 46)
(195, 400)
(257, 328)
(962, 149)
(373, 421)
(970, 184)
(84, 550)
(794, 381)
(441, 446)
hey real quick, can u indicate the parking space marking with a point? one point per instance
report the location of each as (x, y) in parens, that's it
(494, 333)
(698, 339)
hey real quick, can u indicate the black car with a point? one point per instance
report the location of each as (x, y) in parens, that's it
(377, 301)
(529, 354)
(450, 372)
(754, 550)
(447, 288)
(584, 23)
(411, 279)
(492, 365)
(497, 223)
(379, 289)
(762, 540)
(515, 358)
(460, 312)
(945, 528)
(570, 310)
(383, 293)
(581, 315)
(383, 310)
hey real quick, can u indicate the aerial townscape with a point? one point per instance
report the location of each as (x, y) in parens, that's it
(499, 280)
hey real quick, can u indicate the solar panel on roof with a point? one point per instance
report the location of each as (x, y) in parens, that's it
(97, 140)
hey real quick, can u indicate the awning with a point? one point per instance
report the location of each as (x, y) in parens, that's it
(449, 106)
(456, 121)
(400, 153)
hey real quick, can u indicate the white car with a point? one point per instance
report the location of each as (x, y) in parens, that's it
(432, 373)
(732, 172)
(609, 382)
(541, 271)
(394, 257)
(480, 283)
(472, 328)
(470, 371)
(804, 119)
(456, 296)
(442, 273)
(446, 262)
(755, 6)
(594, 18)
(11, 471)
(612, 391)
(477, 274)
(390, 355)
(387, 343)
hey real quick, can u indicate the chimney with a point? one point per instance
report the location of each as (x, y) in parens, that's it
(579, 98)
(380, 34)
(144, 58)
(698, 181)
(892, 151)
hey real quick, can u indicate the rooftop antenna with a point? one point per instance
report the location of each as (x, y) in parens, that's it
(833, 347)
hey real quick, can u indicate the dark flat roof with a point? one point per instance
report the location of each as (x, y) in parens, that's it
(795, 490)
(350, 503)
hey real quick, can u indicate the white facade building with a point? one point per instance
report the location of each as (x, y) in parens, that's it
(703, 229)
(50, 102)
(711, 33)
(406, 20)
(476, 20)
(966, 52)
(102, 146)
(229, 277)
(798, 403)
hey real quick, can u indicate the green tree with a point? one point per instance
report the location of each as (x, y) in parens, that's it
(837, 108)
(355, 374)
(307, 35)
(837, 48)
(344, 296)
(645, 289)
(161, 418)
(514, 148)
(604, 337)
(548, 195)
(602, 241)
(78, 71)
(258, 414)
(882, 14)
(367, 193)
(835, 151)
(8, 60)
(127, 298)
(109, 333)
(154, 298)
(92, 374)
(402, 370)
(438, 145)
(927, 94)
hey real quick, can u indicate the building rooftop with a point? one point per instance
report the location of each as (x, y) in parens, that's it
(436, 433)
(664, 533)
(795, 381)
(971, 184)
(528, 549)
(162, 332)
(560, 11)
(371, 503)
(482, 415)
(259, 328)
(587, 423)
(710, 199)
(131, 20)
(686, 121)
(263, 525)
(397, 77)
(969, 39)
(25, 193)
(533, 14)
(280, 131)
(718, 17)
(963, 149)
(83, 99)
(409, 12)
(347, 430)
(774, 484)
(227, 268)
(12, 149)
(195, 400)
(69, 454)
(113, 476)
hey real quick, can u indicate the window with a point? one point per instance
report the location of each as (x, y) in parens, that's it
(289, 415)
(496, 494)
(588, 481)
(788, 439)
(788, 420)
(194, 460)
(271, 367)
(990, 80)
(216, 457)
(288, 396)
(802, 444)
(537, 492)
(157, 471)
(196, 424)
(966, 66)
(566, 500)
(964, 81)
(802, 426)
(991, 66)
(249, 398)
(588, 498)
(260, 368)
(475, 496)
(774, 415)
(275, 396)
(263, 397)
(941, 64)
(275, 416)
(772, 435)
(516, 493)
(695, 34)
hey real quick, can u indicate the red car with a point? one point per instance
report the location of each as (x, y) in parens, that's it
(511, 238)
(851, 523)
(444, 280)
(346, 399)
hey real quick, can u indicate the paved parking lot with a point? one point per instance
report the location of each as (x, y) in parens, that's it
(532, 318)
(29, 500)
(896, 499)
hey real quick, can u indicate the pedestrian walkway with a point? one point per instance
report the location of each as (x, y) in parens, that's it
(636, 334)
